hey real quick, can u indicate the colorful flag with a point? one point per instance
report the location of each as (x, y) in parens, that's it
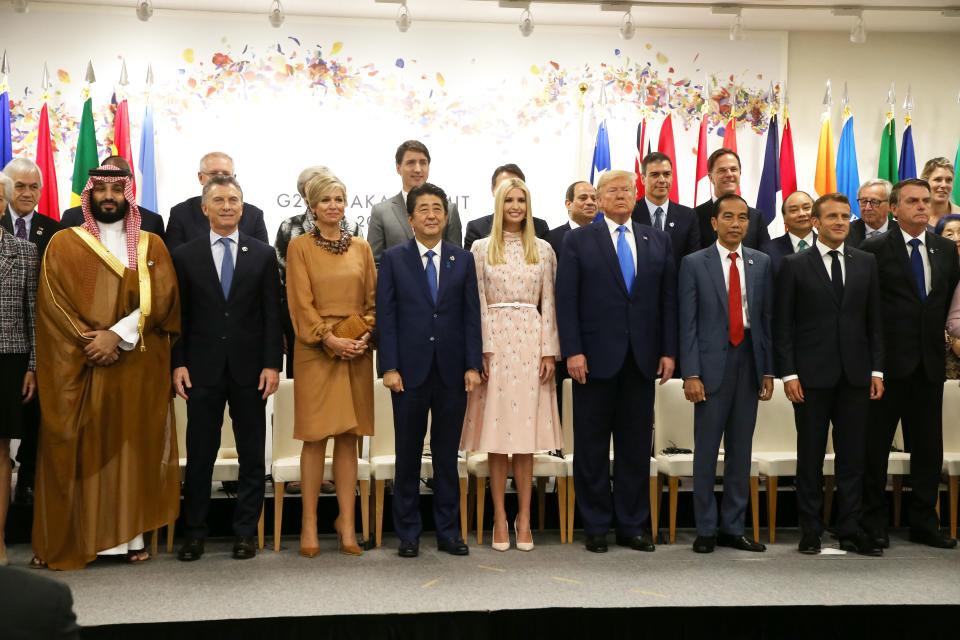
(121, 137)
(148, 162)
(887, 170)
(665, 145)
(788, 165)
(601, 152)
(87, 157)
(638, 161)
(825, 177)
(956, 183)
(908, 160)
(848, 174)
(730, 138)
(701, 177)
(770, 175)
(49, 204)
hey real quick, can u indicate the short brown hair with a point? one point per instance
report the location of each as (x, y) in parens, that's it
(910, 182)
(719, 153)
(654, 156)
(724, 198)
(828, 197)
(510, 168)
(411, 145)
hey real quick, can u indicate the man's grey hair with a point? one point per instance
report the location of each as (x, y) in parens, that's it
(22, 165)
(7, 184)
(210, 156)
(219, 181)
(307, 174)
(877, 182)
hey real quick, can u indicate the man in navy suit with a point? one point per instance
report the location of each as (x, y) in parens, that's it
(430, 356)
(149, 221)
(187, 220)
(656, 210)
(617, 316)
(874, 200)
(581, 203)
(480, 228)
(726, 354)
(230, 352)
(797, 211)
(723, 169)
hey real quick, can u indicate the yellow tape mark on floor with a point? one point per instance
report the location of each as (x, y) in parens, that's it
(483, 566)
(427, 585)
(648, 593)
(566, 580)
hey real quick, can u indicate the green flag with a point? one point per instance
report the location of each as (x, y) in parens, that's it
(86, 157)
(956, 183)
(888, 152)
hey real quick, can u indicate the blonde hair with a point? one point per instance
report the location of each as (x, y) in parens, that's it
(319, 185)
(609, 176)
(933, 164)
(495, 246)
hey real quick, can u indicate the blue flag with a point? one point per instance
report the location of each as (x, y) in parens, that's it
(770, 176)
(908, 160)
(6, 137)
(848, 175)
(148, 163)
(601, 152)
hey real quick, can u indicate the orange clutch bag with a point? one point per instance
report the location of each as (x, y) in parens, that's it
(352, 328)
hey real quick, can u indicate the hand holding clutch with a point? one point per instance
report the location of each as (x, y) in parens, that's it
(350, 328)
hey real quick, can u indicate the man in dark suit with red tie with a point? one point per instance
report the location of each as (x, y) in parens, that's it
(656, 210)
(918, 276)
(617, 316)
(829, 352)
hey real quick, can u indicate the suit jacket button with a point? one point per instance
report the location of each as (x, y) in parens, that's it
(431, 338)
(223, 337)
(436, 315)
(226, 314)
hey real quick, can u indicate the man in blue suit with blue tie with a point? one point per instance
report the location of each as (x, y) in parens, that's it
(617, 316)
(726, 355)
(430, 356)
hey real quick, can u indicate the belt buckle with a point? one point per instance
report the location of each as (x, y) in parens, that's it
(516, 305)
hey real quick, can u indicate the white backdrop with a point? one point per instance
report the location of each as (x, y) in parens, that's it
(477, 95)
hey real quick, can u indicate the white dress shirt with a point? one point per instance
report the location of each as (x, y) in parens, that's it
(923, 254)
(114, 237)
(422, 248)
(615, 236)
(810, 239)
(573, 225)
(870, 232)
(216, 247)
(653, 208)
(725, 261)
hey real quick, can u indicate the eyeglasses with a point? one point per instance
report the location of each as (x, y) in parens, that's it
(868, 202)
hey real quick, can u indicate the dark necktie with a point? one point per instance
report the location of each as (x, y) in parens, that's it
(916, 265)
(226, 266)
(658, 219)
(431, 271)
(802, 245)
(735, 303)
(836, 274)
(21, 229)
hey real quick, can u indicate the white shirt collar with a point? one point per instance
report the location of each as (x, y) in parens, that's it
(825, 250)
(422, 248)
(113, 227)
(573, 225)
(26, 219)
(907, 237)
(215, 238)
(725, 253)
(612, 226)
(886, 225)
(653, 208)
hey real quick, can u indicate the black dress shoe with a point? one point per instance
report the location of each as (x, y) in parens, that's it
(408, 549)
(23, 494)
(244, 548)
(642, 542)
(596, 544)
(739, 542)
(704, 544)
(932, 538)
(191, 550)
(454, 546)
(809, 544)
(861, 543)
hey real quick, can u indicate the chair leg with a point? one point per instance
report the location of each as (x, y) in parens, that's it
(379, 490)
(463, 508)
(954, 485)
(481, 498)
(260, 523)
(571, 509)
(755, 506)
(655, 518)
(936, 507)
(365, 508)
(562, 507)
(471, 501)
(278, 491)
(897, 482)
(154, 542)
(653, 509)
(828, 484)
(673, 484)
(170, 530)
(541, 501)
(772, 508)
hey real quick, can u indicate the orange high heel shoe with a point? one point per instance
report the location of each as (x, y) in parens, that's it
(345, 549)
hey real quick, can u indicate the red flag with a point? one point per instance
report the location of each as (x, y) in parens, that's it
(121, 138)
(701, 160)
(641, 135)
(788, 168)
(665, 145)
(49, 204)
(730, 138)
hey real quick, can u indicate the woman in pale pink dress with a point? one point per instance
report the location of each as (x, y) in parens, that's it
(515, 411)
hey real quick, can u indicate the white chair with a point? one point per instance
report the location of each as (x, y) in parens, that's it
(898, 465)
(567, 424)
(383, 461)
(286, 462)
(775, 448)
(951, 447)
(226, 468)
(674, 420)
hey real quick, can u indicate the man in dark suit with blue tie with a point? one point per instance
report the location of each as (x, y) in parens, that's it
(797, 211)
(430, 356)
(230, 352)
(656, 210)
(726, 355)
(617, 316)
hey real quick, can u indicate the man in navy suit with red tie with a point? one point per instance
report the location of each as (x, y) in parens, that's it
(617, 316)
(430, 356)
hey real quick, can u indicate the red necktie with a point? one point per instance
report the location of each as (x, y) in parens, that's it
(734, 303)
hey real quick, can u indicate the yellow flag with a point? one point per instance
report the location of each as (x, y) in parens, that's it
(825, 178)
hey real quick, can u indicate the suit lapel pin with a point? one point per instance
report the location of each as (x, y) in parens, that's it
(39, 231)
(750, 261)
(672, 224)
(644, 237)
(149, 263)
(244, 249)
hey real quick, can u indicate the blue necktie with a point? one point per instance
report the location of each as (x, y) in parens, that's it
(627, 268)
(916, 263)
(226, 266)
(658, 219)
(431, 271)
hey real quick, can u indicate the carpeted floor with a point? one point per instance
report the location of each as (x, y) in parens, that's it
(553, 575)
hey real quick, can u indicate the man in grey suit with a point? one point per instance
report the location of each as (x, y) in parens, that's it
(726, 355)
(388, 225)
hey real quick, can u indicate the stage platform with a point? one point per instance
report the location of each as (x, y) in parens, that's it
(560, 588)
